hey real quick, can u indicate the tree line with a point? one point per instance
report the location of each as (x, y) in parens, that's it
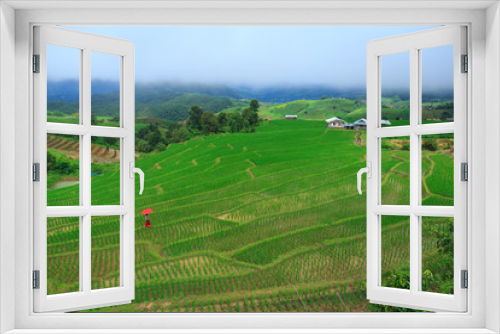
(156, 138)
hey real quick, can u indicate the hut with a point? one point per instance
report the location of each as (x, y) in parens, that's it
(291, 117)
(360, 124)
(385, 123)
(335, 123)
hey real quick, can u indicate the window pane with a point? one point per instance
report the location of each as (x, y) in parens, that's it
(437, 254)
(395, 171)
(395, 100)
(105, 179)
(63, 255)
(105, 89)
(63, 84)
(437, 169)
(395, 252)
(105, 252)
(63, 170)
(437, 84)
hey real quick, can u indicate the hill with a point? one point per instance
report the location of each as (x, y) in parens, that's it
(251, 222)
(168, 107)
(311, 109)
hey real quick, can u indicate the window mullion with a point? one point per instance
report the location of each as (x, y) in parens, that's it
(85, 173)
(414, 171)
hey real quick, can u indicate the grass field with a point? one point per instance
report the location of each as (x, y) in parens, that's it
(251, 222)
(310, 109)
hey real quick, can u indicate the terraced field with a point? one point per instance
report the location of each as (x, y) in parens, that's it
(71, 148)
(248, 222)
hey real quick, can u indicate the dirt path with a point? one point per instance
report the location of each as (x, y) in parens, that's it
(194, 162)
(157, 165)
(159, 189)
(359, 139)
(249, 172)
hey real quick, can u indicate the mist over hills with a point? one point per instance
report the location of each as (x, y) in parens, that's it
(172, 100)
(67, 91)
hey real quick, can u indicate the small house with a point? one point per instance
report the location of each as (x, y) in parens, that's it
(385, 123)
(335, 123)
(360, 124)
(291, 117)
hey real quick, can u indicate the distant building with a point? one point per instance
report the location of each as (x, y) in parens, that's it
(291, 117)
(335, 123)
(360, 124)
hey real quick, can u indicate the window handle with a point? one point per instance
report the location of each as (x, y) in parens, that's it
(368, 171)
(139, 171)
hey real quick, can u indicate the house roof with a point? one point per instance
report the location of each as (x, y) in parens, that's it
(334, 119)
(286, 116)
(385, 122)
(360, 122)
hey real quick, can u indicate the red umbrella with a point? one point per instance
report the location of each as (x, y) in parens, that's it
(146, 213)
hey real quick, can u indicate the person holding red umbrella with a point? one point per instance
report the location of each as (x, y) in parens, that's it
(146, 213)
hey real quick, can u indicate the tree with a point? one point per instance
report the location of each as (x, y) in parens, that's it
(93, 119)
(250, 115)
(110, 141)
(445, 115)
(180, 135)
(161, 147)
(222, 119)
(209, 123)
(324, 97)
(235, 122)
(254, 104)
(195, 114)
(429, 145)
(153, 138)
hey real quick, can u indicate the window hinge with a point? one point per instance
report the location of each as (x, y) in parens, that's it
(36, 279)
(36, 63)
(36, 172)
(465, 64)
(464, 172)
(465, 279)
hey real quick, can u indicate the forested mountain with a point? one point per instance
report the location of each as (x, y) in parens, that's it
(166, 101)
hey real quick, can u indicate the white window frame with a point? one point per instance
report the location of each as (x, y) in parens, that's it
(413, 44)
(86, 44)
(483, 248)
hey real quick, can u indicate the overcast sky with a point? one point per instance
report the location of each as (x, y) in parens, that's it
(256, 56)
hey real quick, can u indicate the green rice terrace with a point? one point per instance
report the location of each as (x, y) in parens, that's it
(269, 221)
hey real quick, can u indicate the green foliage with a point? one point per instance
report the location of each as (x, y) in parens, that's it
(209, 123)
(251, 116)
(178, 135)
(177, 108)
(61, 164)
(222, 119)
(194, 120)
(429, 145)
(160, 147)
(108, 142)
(254, 104)
(93, 119)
